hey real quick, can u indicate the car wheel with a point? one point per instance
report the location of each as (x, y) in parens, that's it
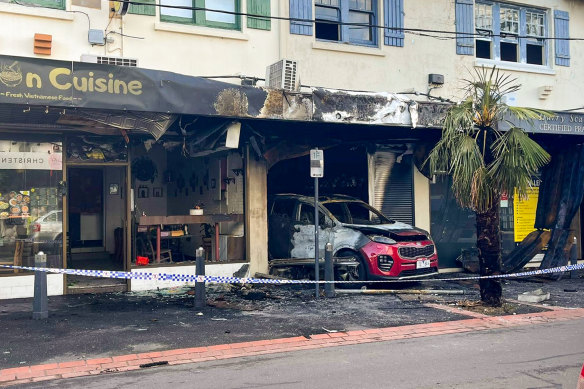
(346, 274)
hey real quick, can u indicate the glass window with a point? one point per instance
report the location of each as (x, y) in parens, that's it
(176, 12)
(535, 24)
(360, 12)
(222, 5)
(510, 33)
(484, 17)
(361, 213)
(202, 12)
(30, 202)
(307, 215)
(339, 211)
(509, 20)
(284, 207)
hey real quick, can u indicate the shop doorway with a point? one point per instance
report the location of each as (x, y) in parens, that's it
(86, 209)
(96, 225)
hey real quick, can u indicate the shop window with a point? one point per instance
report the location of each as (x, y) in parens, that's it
(202, 12)
(330, 13)
(30, 202)
(57, 4)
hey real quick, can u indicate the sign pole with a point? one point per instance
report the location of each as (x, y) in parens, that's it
(316, 171)
(316, 264)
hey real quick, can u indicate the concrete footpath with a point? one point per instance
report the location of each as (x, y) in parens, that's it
(95, 334)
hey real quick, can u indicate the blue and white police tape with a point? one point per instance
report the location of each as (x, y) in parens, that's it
(238, 280)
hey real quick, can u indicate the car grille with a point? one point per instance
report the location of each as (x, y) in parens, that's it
(415, 252)
(418, 272)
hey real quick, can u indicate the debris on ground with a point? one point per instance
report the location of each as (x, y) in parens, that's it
(401, 291)
(534, 296)
(333, 331)
(270, 277)
(507, 308)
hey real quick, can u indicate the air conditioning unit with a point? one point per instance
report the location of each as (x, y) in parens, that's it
(282, 75)
(118, 61)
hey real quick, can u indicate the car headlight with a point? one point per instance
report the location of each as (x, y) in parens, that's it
(381, 239)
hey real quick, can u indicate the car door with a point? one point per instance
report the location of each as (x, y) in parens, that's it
(303, 235)
(280, 227)
(50, 225)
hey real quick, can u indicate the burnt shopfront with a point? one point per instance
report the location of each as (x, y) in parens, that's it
(527, 225)
(93, 177)
(147, 174)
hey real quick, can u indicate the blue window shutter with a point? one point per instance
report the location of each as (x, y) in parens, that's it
(464, 26)
(394, 19)
(301, 9)
(562, 31)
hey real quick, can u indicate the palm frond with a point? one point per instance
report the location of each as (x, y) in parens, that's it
(513, 158)
(528, 114)
(466, 159)
(517, 158)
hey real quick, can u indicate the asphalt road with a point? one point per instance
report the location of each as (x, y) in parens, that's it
(539, 356)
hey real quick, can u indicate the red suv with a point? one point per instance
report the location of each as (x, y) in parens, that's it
(385, 248)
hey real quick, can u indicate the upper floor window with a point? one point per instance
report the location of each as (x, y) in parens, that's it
(57, 4)
(207, 12)
(510, 33)
(330, 14)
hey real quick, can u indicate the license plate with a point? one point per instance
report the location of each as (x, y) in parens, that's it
(423, 264)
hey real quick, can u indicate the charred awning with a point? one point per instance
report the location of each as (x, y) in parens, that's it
(338, 106)
(106, 94)
(19, 118)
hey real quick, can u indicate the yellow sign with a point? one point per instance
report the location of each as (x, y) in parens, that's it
(524, 213)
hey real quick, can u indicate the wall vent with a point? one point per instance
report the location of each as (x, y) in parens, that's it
(282, 75)
(118, 61)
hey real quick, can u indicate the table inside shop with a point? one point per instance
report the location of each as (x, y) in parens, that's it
(215, 219)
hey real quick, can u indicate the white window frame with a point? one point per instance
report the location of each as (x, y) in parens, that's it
(496, 37)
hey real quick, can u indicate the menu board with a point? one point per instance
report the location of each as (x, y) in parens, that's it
(26, 203)
(524, 213)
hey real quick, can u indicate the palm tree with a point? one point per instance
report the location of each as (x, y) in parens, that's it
(485, 162)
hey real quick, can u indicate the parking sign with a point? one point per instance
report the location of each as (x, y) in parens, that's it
(316, 163)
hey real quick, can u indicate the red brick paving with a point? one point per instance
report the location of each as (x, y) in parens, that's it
(80, 368)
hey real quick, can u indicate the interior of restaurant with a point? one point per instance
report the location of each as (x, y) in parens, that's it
(193, 201)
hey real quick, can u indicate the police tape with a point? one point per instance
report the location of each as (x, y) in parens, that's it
(149, 276)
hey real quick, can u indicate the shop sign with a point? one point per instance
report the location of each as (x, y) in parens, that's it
(35, 81)
(504, 200)
(30, 161)
(524, 212)
(559, 123)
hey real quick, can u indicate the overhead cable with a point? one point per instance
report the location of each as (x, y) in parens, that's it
(417, 31)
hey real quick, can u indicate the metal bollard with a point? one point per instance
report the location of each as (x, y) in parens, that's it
(40, 304)
(329, 287)
(574, 257)
(200, 298)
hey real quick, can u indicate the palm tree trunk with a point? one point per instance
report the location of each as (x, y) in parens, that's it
(489, 246)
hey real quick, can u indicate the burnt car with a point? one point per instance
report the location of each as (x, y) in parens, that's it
(384, 248)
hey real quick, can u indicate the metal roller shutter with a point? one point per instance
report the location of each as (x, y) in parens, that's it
(392, 188)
